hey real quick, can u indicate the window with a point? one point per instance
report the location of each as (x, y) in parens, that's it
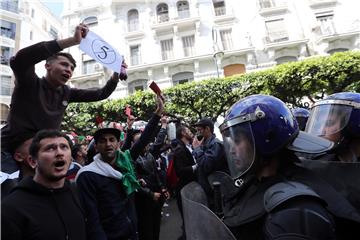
(276, 31)
(135, 56)
(162, 13)
(9, 5)
(219, 7)
(266, 3)
(6, 53)
(137, 85)
(6, 85)
(90, 66)
(326, 23)
(133, 20)
(32, 13)
(183, 9)
(183, 77)
(226, 39)
(188, 45)
(31, 35)
(91, 21)
(8, 29)
(53, 32)
(167, 49)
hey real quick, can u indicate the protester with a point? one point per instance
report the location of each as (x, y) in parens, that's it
(106, 186)
(79, 154)
(275, 199)
(151, 197)
(39, 103)
(44, 207)
(209, 155)
(184, 165)
(22, 159)
(337, 118)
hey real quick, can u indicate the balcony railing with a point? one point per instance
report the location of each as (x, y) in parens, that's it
(163, 18)
(274, 37)
(7, 33)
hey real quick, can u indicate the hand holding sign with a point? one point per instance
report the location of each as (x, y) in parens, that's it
(102, 52)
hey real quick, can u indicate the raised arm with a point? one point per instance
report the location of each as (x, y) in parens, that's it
(147, 135)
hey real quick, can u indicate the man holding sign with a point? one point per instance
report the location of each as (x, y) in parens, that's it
(39, 103)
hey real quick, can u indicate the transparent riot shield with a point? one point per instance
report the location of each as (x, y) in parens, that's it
(343, 177)
(200, 222)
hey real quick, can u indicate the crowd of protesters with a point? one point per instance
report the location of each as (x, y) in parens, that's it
(113, 185)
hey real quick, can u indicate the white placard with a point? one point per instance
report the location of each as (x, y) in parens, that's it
(102, 52)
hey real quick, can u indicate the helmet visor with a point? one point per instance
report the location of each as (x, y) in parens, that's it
(326, 120)
(240, 148)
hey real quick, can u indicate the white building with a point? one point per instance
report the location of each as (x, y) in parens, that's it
(174, 41)
(23, 22)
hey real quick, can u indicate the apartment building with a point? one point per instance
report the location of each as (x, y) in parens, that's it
(176, 41)
(23, 22)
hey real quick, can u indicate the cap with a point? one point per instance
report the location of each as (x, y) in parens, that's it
(205, 122)
(308, 143)
(116, 132)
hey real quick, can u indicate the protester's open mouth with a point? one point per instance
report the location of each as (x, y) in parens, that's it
(60, 163)
(67, 76)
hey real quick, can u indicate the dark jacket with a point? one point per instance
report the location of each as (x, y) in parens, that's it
(35, 104)
(247, 218)
(210, 157)
(183, 162)
(33, 211)
(110, 212)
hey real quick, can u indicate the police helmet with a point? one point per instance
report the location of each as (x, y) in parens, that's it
(338, 113)
(301, 115)
(263, 125)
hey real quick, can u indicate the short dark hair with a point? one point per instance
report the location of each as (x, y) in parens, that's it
(205, 122)
(75, 149)
(46, 133)
(101, 131)
(179, 131)
(64, 54)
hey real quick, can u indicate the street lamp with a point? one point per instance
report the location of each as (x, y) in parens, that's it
(217, 58)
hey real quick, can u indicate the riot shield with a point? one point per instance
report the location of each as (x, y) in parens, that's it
(200, 222)
(343, 177)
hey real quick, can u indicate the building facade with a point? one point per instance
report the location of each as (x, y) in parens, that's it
(23, 22)
(176, 41)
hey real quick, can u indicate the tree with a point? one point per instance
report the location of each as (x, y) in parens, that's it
(294, 82)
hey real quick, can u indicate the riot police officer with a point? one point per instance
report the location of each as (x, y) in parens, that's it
(275, 199)
(337, 118)
(301, 115)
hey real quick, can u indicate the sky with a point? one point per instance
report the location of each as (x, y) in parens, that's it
(55, 6)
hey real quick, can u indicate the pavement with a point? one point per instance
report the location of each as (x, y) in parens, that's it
(170, 228)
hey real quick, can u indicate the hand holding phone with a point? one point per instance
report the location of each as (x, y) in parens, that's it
(153, 86)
